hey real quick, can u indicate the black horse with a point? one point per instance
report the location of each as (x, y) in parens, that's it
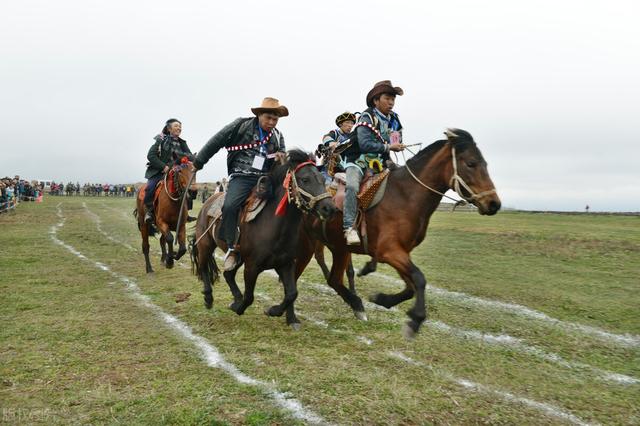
(270, 241)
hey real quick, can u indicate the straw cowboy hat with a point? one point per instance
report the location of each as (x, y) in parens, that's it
(380, 88)
(271, 105)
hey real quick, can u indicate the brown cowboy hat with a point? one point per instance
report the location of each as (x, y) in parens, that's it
(380, 88)
(271, 105)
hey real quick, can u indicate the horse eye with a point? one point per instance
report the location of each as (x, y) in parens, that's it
(471, 164)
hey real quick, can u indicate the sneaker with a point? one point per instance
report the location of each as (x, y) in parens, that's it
(230, 260)
(352, 237)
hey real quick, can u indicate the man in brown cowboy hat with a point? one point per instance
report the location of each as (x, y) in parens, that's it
(378, 132)
(253, 144)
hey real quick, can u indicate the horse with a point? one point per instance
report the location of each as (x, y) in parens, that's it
(167, 209)
(399, 222)
(269, 241)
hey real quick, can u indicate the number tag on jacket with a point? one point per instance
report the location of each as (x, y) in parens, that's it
(258, 162)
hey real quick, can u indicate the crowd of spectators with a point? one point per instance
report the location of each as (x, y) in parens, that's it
(93, 189)
(14, 190)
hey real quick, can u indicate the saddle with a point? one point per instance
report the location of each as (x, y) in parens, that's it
(372, 189)
(250, 210)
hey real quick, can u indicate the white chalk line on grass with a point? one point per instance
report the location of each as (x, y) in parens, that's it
(548, 409)
(506, 340)
(620, 339)
(513, 343)
(209, 353)
(507, 396)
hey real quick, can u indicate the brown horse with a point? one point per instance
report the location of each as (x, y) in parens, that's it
(399, 222)
(269, 241)
(167, 209)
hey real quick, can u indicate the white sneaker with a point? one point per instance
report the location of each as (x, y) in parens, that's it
(352, 237)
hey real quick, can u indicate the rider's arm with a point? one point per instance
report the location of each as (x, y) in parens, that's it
(367, 140)
(153, 157)
(215, 144)
(328, 138)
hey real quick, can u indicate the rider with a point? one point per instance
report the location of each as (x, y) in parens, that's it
(378, 132)
(167, 148)
(345, 123)
(253, 144)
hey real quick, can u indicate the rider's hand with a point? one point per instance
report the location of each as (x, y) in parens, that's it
(333, 144)
(192, 168)
(281, 157)
(396, 147)
(166, 169)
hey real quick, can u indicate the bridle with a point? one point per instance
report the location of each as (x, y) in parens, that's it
(455, 183)
(176, 182)
(302, 199)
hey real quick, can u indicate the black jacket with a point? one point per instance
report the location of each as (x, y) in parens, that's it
(239, 133)
(164, 152)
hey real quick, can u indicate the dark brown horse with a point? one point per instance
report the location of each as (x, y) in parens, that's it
(167, 210)
(269, 241)
(399, 222)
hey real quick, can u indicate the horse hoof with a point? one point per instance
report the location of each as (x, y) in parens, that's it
(295, 326)
(208, 303)
(169, 265)
(150, 271)
(361, 315)
(235, 306)
(408, 332)
(274, 311)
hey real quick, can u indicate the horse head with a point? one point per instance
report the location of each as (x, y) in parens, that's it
(469, 175)
(182, 175)
(305, 185)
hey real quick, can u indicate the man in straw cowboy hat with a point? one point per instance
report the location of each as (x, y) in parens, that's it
(253, 144)
(378, 132)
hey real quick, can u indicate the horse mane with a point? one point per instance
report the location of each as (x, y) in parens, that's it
(294, 157)
(461, 143)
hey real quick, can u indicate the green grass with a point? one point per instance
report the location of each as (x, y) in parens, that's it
(77, 347)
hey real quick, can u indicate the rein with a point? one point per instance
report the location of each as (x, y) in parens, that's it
(176, 183)
(454, 183)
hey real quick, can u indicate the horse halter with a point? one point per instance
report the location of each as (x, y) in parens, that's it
(303, 200)
(176, 181)
(456, 181)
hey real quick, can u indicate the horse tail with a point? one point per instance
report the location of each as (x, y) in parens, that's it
(193, 253)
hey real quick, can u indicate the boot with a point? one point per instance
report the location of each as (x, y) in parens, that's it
(352, 237)
(231, 260)
(149, 215)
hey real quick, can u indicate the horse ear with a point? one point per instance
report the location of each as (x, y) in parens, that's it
(451, 134)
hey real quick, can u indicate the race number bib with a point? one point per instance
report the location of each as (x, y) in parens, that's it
(258, 162)
(394, 138)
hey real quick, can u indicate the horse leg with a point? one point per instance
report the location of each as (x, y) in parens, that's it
(368, 268)
(207, 270)
(250, 278)
(340, 260)
(319, 255)
(350, 276)
(182, 247)
(414, 279)
(287, 276)
(230, 278)
(145, 247)
(166, 232)
(163, 247)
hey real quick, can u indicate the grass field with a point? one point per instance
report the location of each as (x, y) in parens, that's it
(533, 319)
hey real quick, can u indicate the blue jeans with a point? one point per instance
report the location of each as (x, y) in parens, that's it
(354, 177)
(151, 189)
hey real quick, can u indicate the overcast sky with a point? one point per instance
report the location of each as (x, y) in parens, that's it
(550, 90)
